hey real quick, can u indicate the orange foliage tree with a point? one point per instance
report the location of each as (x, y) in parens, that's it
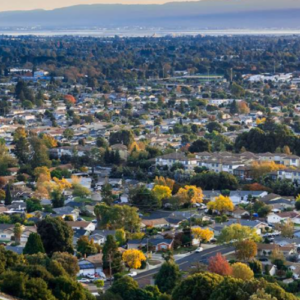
(219, 265)
(71, 99)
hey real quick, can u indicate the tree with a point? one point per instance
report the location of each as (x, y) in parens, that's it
(286, 150)
(22, 150)
(221, 204)
(68, 133)
(237, 233)
(242, 271)
(277, 255)
(168, 277)
(133, 258)
(33, 204)
(262, 295)
(198, 286)
(202, 234)
(34, 244)
(49, 141)
(230, 288)
(287, 229)
(200, 145)
(20, 132)
(68, 261)
(190, 194)
(245, 250)
(40, 156)
(219, 265)
(70, 99)
(164, 182)
(80, 191)
(106, 194)
(124, 137)
(86, 247)
(120, 236)
(256, 266)
(214, 126)
(18, 229)
(162, 192)
(127, 288)
(111, 254)
(8, 198)
(237, 90)
(144, 199)
(56, 235)
(57, 198)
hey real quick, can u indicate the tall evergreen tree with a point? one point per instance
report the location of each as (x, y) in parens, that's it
(8, 198)
(34, 244)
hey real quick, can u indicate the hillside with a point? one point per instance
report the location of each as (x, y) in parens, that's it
(211, 14)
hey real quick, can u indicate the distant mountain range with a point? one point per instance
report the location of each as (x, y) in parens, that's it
(205, 14)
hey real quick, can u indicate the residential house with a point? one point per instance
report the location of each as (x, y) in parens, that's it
(91, 265)
(266, 249)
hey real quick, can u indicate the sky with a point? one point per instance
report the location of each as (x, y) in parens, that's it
(51, 4)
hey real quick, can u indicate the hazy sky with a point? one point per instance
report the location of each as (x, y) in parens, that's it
(50, 4)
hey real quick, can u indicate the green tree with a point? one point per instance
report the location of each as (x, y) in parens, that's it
(57, 198)
(168, 277)
(200, 145)
(33, 204)
(144, 199)
(22, 150)
(198, 286)
(86, 247)
(68, 261)
(34, 244)
(124, 137)
(56, 235)
(111, 253)
(237, 233)
(120, 236)
(68, 133)
(40, 157)
(106, 194)
(128, 289)
(8, 198)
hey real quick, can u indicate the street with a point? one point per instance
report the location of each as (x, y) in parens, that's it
(184, 263)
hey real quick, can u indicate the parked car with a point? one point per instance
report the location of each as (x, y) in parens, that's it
(132, 274)
(199, 249)
(84, 280)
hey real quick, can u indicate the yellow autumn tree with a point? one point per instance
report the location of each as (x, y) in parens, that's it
(134, 147)
(242, 271)
(202, 234)
(190, 194)
(62, 183)
(260, 121)
(259, 169)
(221, 204)
(160, 180)
(133, 258)
(42, 174)
(49, 141)
(20, 132)
(162, 192)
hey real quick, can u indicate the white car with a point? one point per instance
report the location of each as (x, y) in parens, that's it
(84, 280)
(132, 274)
(199, 249)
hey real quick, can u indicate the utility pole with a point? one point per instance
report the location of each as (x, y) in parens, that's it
(231, 75)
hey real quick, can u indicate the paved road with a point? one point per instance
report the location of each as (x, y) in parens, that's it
(185, 263)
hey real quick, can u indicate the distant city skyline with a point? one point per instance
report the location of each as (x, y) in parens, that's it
(43, 4)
